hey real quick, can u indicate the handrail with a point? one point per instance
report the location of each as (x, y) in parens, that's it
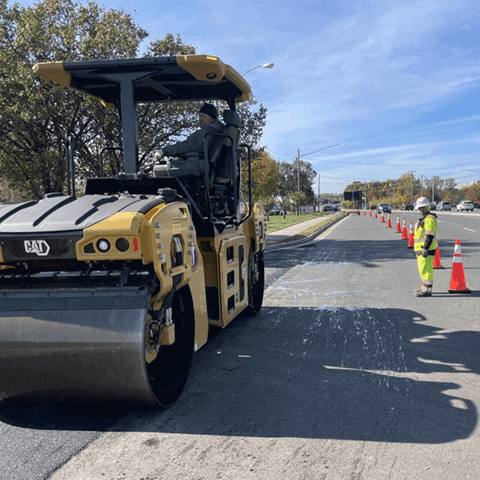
(101, 156)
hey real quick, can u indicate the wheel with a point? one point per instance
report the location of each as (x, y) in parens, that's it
(256, 282)
(168, 373)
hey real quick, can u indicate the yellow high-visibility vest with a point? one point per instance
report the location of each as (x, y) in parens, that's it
(426, 227)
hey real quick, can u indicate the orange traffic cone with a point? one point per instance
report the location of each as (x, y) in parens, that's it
(376, 216)
(404, 230)
(370, 213)
(399, 229)
(437, 261)
(364, 212)
(410, 236)
(382, 220)
(389, 222)
(457, 283)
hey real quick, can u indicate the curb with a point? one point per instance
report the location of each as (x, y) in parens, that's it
(289, 242)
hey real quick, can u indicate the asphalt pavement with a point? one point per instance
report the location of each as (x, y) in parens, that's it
(343, 374)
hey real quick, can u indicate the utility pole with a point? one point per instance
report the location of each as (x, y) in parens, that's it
(298, 179)
(411, 188)
(318, 192)
(421, 185)
(298, 165)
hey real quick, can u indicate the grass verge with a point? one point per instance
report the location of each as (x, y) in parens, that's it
(277, 222)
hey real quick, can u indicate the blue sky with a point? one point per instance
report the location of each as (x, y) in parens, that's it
(398, 81)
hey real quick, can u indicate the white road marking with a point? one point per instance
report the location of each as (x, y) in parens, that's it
(469, 229)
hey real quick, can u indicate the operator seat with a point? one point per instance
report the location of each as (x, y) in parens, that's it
(221, 171)
(226, 169)
(226, 161)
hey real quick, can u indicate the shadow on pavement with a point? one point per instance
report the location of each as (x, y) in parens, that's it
(338, 373)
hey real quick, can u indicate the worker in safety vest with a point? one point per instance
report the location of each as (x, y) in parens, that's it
(425, 246)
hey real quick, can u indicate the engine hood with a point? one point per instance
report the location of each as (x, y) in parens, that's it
(68, 214)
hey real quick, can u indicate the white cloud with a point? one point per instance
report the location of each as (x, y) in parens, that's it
(366, 64)
(459, 120)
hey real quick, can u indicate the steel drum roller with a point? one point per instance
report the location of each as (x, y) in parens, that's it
(87, 343)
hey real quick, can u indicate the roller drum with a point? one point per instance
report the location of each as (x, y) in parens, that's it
(86, 343)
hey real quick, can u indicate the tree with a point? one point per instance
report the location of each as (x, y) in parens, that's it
(305, 178)
(473, 193)
(253, 122)
(8, 195)
(299, 199)
(36, 119)
(295, 177)
(284, 186)
(265, 177)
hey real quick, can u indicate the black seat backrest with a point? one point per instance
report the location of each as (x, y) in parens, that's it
(225, 165)
(233, 122)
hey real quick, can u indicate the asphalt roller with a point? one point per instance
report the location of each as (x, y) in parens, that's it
(108, 295)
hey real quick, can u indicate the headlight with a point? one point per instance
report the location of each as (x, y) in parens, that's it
(103, 245)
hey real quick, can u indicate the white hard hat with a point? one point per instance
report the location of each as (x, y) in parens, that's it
(423, 202)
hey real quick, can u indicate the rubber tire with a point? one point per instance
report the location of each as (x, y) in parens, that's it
(255, 290)
(168, 373)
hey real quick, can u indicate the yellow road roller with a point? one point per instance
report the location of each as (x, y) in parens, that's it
(108, 295)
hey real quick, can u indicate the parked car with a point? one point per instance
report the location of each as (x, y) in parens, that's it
(328, 208)
(407, 206)
(444, 206)
(338, 207)
(465, 205)
(433, 206)
(384, 208)
(276, 210)
(476, 204)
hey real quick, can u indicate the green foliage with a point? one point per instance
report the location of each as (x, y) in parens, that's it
(299, 199)
(169, 46)
(253, 122)
(267, 202)
(36, 119)
(264, 177)
(294, 177)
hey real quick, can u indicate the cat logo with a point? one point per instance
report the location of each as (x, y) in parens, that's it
(40, 247)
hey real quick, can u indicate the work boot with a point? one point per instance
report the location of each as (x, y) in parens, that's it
(423, 293)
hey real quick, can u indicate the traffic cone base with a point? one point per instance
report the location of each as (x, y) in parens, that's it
(459, 291)
(458, 283)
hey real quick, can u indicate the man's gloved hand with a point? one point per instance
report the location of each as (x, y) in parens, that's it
(424, 252)
(158, 155)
